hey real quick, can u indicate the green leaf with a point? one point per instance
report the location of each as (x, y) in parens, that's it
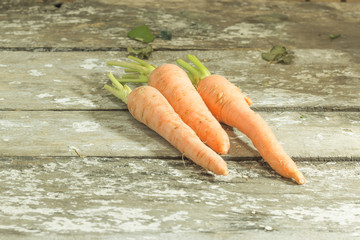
(142, 53)
(141, 33)
(278, 54)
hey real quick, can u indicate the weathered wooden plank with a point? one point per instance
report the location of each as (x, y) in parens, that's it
(116, 133)
(194, 24)
(318, 80)
(343, 1)
(131, 198)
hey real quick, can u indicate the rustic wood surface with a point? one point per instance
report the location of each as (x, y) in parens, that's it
(318, 80)
(74, 164)
(130, 198)
(310, 135)
(201, 24)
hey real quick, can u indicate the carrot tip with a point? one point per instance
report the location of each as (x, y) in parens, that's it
(301, 181)
(299, 178)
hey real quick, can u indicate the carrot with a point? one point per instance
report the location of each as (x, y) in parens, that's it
(230, 106)
(147, 105)
(175, 85)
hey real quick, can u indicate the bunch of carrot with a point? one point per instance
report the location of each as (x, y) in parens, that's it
(185, 107)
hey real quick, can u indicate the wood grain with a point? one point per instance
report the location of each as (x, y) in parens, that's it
(132, 198)
(92, 25)
(311, 136)
(317, 80)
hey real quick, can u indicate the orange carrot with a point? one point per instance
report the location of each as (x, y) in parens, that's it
(175, 85)
(230, 106)
(150, 107)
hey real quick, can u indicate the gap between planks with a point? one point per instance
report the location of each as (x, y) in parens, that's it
(118, 49)
(257, 109)
(257, 159)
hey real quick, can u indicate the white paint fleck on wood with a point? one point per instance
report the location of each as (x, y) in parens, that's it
(85, 126)
(14, 83)
(71, 101)
(35, 73)
(90, 64)
(44, 95)
(250, 31)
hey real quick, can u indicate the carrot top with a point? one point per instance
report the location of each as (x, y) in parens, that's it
(197, 73)
(137, 72)
(119, 90)
(140, 70)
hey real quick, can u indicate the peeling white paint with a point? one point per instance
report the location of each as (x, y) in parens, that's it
(285, 120)
(320, 136)
(85, 126)
(274, 96)
(268, 228)
(90, 63)
(169, 192)
(122, 219)
(23, 209)
(71, 101)
(8, 124)
(19, 33)
(3, 65)
(4, 40)
(63, 19)
(88, 10)
(49, 65)
(17, 228)
(175, 172)
(15, 83)
(35, 73)
(250, 30)
(177, 216)
(44, 95)
(304, 77)
(342, 214)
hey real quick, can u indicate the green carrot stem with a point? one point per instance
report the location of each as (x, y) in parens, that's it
(131, 75)
(192, 72)
(143, 63)
(140, 79)
(119, 90)
(139, 66)
(114, 81)
(133, 66)
(204, 72)
(127, 70)
(116, 93)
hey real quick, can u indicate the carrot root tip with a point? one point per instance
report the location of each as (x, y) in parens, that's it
(299, 178)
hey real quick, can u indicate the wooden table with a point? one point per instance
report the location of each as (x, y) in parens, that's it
(76, 165)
